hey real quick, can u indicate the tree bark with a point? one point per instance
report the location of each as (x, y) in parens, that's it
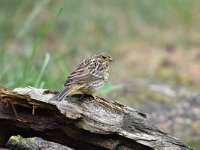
(35, 143)
(80, 122)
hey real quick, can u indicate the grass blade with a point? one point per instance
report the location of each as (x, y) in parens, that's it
(42, 71)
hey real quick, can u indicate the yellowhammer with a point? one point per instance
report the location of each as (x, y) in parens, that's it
(88, 77)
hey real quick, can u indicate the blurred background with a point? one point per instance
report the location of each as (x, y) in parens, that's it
(155, 44)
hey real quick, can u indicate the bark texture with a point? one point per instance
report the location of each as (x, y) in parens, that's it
(35, 143)
(79, 122)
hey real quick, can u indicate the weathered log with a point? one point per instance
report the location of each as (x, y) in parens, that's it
(79, 122)
(35, 143)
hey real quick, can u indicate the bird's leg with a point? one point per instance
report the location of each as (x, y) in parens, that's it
(87, 95)
(90, 96)
(93, 97)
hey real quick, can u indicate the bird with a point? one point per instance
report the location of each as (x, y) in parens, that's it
(88, 77)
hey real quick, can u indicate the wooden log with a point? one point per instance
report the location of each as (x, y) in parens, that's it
(35, 143)
(79, 122)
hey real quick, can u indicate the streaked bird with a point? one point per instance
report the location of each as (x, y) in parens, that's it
(88, 77)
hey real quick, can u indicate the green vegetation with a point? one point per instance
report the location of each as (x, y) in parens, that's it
(195, 144)
(42, 41)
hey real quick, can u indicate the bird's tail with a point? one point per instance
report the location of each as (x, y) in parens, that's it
(60, 96)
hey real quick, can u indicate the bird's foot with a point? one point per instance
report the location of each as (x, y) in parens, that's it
(92, 96)
(87, 96)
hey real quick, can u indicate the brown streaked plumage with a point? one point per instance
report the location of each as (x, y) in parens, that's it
(88, 77)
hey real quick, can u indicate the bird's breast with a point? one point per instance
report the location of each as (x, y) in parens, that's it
(92, 87)
(106, 76)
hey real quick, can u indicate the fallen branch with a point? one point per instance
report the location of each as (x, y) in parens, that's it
(78, 122)
(35, 143)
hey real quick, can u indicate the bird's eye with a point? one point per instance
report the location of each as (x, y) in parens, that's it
(104, 57)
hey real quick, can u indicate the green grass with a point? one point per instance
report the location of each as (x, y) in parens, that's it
(195, 144)
(27, 73)
(42, 41)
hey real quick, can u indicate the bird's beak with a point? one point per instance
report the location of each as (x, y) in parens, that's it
(111, 60)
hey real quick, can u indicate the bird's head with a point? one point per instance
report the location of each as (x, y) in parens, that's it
(103, 57)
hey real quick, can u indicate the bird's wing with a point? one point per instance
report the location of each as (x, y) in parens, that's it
(89, 70)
